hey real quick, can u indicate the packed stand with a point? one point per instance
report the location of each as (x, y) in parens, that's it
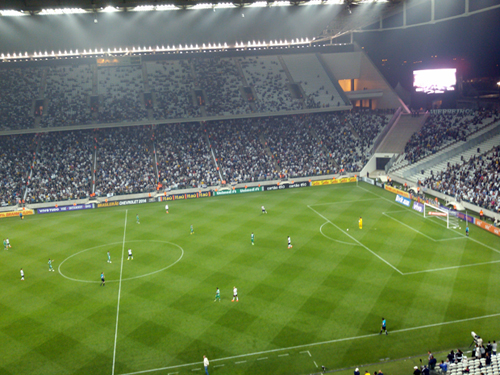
(367, 124)
(269, 80)
(183, 156)
(68, 91)
(337, 137)
(221, 81)
(239, 150)
(441, 129)
(172, 83)
(120, 89)
(19, 87)
(63, 167)
(476, 180)
(125, 162)
(295, 149)
(16, 158)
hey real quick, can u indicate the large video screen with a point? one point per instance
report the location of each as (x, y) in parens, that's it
(434, 81)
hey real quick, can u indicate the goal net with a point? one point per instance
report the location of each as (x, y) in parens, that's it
(448, 216)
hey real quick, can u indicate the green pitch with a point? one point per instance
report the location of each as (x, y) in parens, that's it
(318, 303)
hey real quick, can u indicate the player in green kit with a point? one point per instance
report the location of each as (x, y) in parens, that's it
(252, 238)
(109, 257)
(217, 295)
(192, 229)
(50, 265)
(137, 219)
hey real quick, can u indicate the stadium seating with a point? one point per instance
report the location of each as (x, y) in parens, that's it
(19, 88)
(306, 69)
(120, 90)
(267, 76)
(68, 89)
(221, 81)
(172, 83)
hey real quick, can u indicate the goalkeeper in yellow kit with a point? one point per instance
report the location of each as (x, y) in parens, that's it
(360, 222)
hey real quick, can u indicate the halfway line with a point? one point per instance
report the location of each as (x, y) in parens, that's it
(119, 293)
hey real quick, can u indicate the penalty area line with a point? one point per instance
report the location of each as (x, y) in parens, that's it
(320, 343)
(355, 240)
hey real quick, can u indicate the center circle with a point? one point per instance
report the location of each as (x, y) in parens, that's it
(146, 258)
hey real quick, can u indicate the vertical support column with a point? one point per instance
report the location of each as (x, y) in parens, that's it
(380, 23)
(352, 37)
(466, 7)
(433, 10)
(404, 13)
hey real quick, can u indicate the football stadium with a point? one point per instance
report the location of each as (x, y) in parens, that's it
(249, 187)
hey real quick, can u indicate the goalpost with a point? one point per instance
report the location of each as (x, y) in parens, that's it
(448, 216)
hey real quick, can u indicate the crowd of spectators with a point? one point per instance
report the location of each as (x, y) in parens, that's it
(441, 129)
(172, 83)
(68, 92)
(269, 80)
(295, 148)
(348, 137)
(63, 167)
(221, 81)
(183, 156)
(476, 180)
(16, 157)
(19, 88)
(141, 159)
(125, 161)
(240, 151)
(120, 90)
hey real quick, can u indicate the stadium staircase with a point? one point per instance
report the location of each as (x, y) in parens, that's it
(197, 86)
(400, 133)
(145, 83)
(95, 88)
(315, 136)
(268, 151)
(483, 142)
(291, 81)
(245, 84)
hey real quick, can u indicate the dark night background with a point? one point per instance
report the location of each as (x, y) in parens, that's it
(472, 44)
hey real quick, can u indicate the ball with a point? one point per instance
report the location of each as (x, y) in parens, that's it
(348, 229)
(459, 227)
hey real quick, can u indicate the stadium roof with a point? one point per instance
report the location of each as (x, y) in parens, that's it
(36, 6)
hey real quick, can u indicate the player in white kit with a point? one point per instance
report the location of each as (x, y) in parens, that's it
(235, 294)
(130, 256)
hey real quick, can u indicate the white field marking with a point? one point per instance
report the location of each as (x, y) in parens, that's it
(407, 226)
(172, 373)
(357, 200)
(283, 355)
(219, 365)
(196, 369)
(352, 238)
(237, 363)
(128, 278)
(261, 359)
(393, 212)
(320, 343)
(324, 235)
(452, 238)
(306, 351)
(315, 363)
(119, 294)
(437, 222)
(452, 267)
